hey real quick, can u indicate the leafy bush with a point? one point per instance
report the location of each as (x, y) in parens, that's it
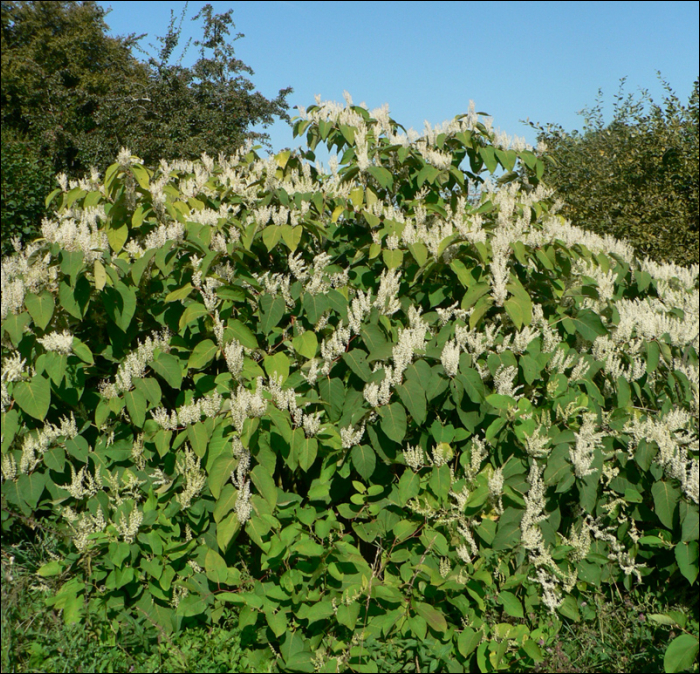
(26, 180)
(351, 405)
(636, 178)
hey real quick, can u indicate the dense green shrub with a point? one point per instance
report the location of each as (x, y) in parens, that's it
(79, 95)
(349, 404)
(26, 180)
(635, 178)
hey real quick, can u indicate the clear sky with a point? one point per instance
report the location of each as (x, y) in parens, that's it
(427, 60)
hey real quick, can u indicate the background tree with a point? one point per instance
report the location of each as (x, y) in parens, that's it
(636, 178)
(72, 97)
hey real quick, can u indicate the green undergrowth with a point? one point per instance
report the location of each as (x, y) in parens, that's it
(399, 416)
(619, 631)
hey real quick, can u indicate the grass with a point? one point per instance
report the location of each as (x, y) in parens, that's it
(615, 633)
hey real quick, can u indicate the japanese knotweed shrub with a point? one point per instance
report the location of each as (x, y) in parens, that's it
(359, 406)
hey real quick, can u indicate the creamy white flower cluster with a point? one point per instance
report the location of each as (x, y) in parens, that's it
(189, 467)
(83, 525)
(379, 394)
(60, 342)
(586, 442)
(547, 571)
(84, 236)
(247, 404)
(604, 280)
(318, 282)
(675, 434)
(76, 488)
(495, 483)
(286, 400)
(18, 276)
(334, 347)
(128, 529)
(191, 413)
(134, 365)
(36, 443)
(650, 319)
(243, 506)
(351, 437)
(387, 296)
(12, 370)
(410, 340)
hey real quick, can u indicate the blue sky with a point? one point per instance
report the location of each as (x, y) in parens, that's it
(515, 60)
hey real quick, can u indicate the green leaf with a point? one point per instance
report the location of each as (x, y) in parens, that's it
(653, 352)
(277, 365)
(265, 484)
(687, 559)
(191, 605)
(347, 615)
(413, 397)
(243, 334)
(202, 354)
(40, 308)
(215, 567)
(508, 533)
(304, 449)
(271, 236)
(34, 397)
(473, 384)
(382, 176)
(681, 653)
(14, 325)
(364, 459)
(392, 258)
(226, 530)
(192, 313)
(440, 481)
(357, 362)
(179, 294)
(120, 304)
(168, 367)
(219, 472)
(319, 611)
(379, 348)
(306, 344)
(432, 616)
(83, 352)
(314, 306)
(689, 530)
(589, 325)
(292, 236)
(404, 529)
(666, 499)
(468, 640)
(409, 486)
(488, 155)
(419, 252)
(393, 421)
(198, 435)
(514, 310)
(136, 405)
(511, 604)
(272, 311)
(277, 622)
(117, 236)
(49, 569)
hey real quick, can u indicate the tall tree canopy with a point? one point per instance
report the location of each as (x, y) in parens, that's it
(636, 178)
(72, 97)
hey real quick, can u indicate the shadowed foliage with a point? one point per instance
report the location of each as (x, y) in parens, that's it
(72, 97)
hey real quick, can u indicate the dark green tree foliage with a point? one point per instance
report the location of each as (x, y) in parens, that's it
(26, 180)
(636, 178)
(77, 96)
